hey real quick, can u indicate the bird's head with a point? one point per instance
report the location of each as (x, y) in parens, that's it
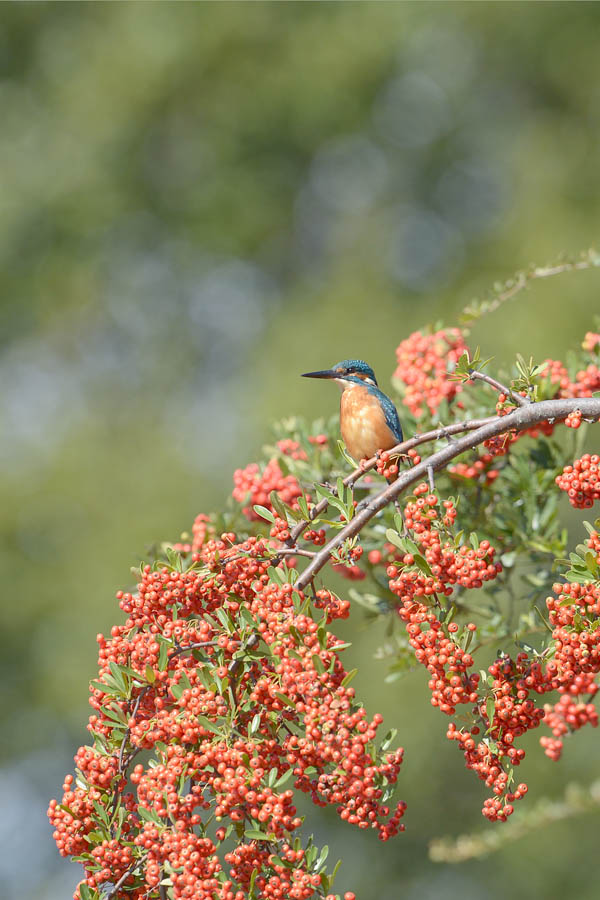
(346, 373)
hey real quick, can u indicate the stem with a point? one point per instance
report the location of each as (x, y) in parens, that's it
(122, 880)
(520, 419)
(522, 279)
(498, 386)
(197, 646)
(127, 734)
(294, 551)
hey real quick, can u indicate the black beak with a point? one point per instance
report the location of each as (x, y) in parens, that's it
(323, 373)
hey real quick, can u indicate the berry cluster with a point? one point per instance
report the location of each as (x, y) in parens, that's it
(591, 341)
(253, 486)
(581, 481)
(573, 420)
(239, 697)
(574, 613)
(563, 718)
(587, 380)
(202, 529)
(445, 564)
(478, 469)
(386, 465)
(500, 707)
(293, 449)
(424, 363)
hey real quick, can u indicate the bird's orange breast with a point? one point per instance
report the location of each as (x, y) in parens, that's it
(363, 424)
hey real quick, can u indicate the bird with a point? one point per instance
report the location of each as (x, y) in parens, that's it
(369, 420)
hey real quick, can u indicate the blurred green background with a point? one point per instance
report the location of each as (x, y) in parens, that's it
(199, 202)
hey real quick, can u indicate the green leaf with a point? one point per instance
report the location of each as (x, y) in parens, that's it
(404, 544)
(276, 575)
(322, 636)
(163, 656)
(224, 618)
(285, 700)
(177, 689)
(101, 813)
(335, 871)
(254, 724)
(490, 709)
(253, 834)
(283, 779)
(318, 663)
(296, 634)
(150, 674)
(348, 677)
(303, 506)
(281, 508)
(113, 690)
(148, 815)
(388, 739)
(264, 513)
(334, 501)
(246, 615)
(321, 860)
(208, 725)
(116, 714)
(343, 452)
(422, 564)
(252, 880)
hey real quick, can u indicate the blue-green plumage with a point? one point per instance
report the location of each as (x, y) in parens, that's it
(390, 412)
(356, 367)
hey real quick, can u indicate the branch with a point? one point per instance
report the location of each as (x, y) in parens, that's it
(522, 418)
(122, 880)
(444, 431)
(498, 386)
(514, 286)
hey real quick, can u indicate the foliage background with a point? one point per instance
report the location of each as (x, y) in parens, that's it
(199, 202)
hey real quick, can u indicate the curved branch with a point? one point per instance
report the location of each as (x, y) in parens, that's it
(444, 431)
(522, 418)
(521, 280)
(498, 386)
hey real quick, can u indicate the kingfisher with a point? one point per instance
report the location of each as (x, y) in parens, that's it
(368, 419)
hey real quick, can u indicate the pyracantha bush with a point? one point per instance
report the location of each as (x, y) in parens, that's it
(222, 695)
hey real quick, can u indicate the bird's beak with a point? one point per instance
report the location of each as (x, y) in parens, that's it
(323, 373)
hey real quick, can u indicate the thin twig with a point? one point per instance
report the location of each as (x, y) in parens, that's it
(197, 646)
(122, 880)
(498, 386)
(293, 551)
(522, 279)
(127, 734)
(520, 419)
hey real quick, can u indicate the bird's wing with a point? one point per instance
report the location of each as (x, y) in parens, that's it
(390, 412)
